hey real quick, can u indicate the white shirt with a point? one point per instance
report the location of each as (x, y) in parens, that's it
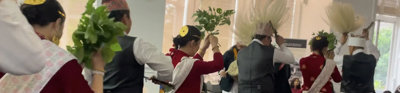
(146, 53)
(282, 55)
(369, 48)
(20, 46)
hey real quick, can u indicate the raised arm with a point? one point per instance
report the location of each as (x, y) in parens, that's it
(283, 55)
(147, 53)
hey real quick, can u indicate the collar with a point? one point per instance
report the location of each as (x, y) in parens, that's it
(258, 41)
(358, 51)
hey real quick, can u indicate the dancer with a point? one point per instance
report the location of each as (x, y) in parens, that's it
(319, 68)
(126, 71)
(189, 65)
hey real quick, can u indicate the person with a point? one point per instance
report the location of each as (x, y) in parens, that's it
(397, 90)
(387, 91)
(256, 61)
(282, 75)
(62, 73)
(126, 71)
(359, 66)
(228, 83)
(19, 42)
(342, 49)
(295, 84)
(319, 68)
(189, 65)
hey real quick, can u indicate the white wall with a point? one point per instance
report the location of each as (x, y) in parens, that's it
(148, 20)
(148, 23)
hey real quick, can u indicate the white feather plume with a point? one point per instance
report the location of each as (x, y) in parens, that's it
(342, 17)
(255, 19)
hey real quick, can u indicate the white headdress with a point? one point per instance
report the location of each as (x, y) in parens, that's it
(356, 41)
(342, 17)
(258, 18)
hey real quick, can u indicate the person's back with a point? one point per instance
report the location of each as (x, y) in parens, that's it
(358, 73)
(124, 73)
(255, 64)
(282, 75)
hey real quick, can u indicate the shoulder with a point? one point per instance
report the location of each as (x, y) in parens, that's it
(305, 59)
(364, 57)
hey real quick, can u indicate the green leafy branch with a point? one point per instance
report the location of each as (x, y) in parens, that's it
(330, 36)
(208, 20)
(96, 32)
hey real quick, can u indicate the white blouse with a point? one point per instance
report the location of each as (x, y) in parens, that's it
(20, 47)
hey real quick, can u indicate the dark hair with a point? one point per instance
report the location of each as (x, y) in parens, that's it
(193, 34)
(118, 14)
(387, 91)
(319, 43)
(44, 13)
(292, 83)
(259, 37)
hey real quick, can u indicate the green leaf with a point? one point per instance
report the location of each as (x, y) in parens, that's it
(108, 54)
(219, 11)
(95, 30)
(203, 34)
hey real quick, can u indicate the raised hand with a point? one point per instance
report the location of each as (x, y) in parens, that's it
(279, 40)
(98, 62)
(344, 38)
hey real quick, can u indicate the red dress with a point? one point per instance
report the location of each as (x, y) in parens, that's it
(311, 67)
(193, 81)
(68, 79)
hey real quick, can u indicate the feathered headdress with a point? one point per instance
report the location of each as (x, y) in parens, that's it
(342, 17)
(258, 18)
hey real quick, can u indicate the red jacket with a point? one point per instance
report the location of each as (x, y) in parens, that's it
(193, 81)
(311, 67)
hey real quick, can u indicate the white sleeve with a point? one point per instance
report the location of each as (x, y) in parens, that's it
(284, 55)
(337, 49)
(146, 53)
(20, 46)
(372, 49)
(339, 60)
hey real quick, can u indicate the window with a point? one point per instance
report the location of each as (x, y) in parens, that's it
(385, 38)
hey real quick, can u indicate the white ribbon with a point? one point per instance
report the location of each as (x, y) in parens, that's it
(56, 58)
(323, 77)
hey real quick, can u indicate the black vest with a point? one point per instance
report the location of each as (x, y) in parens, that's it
(358, 73)
(124, 74)
(256, 69)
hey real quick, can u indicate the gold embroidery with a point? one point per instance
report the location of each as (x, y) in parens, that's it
(323, 90)
(34, 2)
(312, 78)
(303, 67)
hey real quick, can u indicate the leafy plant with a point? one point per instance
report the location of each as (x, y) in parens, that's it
(212, 18)
(330, 36)
(96, 32)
